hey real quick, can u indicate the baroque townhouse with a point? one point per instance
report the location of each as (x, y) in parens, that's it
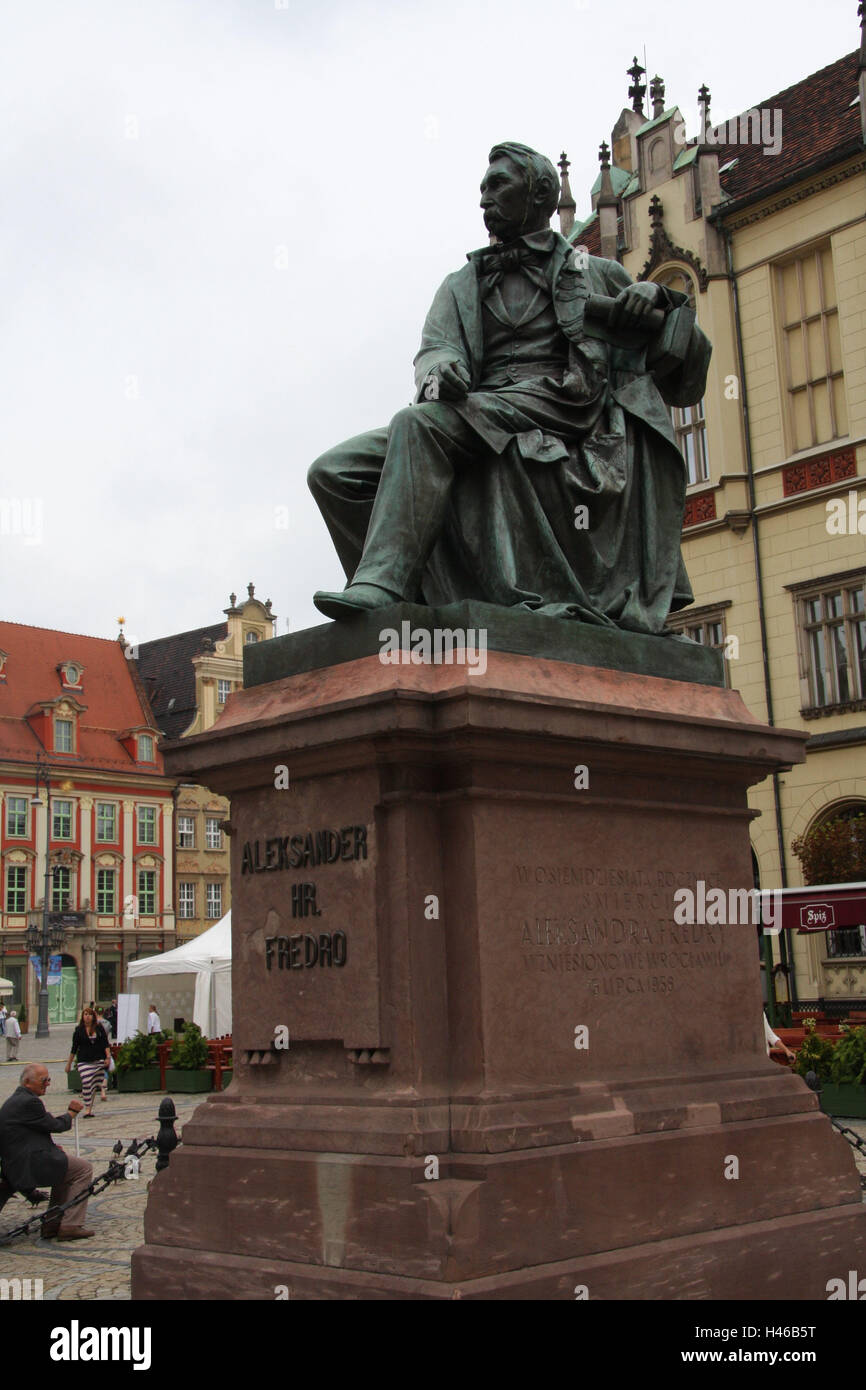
(188, 678)
(761, 220)
(74, 708)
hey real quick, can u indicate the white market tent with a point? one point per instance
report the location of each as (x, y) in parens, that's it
(208, 958)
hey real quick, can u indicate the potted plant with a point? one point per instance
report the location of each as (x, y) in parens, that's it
(138, 1064)
(845, 1092)
(186, 1069)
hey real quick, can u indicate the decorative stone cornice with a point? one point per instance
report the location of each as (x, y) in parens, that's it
(736, 221)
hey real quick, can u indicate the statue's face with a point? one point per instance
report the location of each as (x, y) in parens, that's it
(505, 201)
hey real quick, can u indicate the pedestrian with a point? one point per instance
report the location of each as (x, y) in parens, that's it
(13, 1035)
(153, 1023)
(2, 1019)
(30, 1156)
(91, 1053)
(111, 1015)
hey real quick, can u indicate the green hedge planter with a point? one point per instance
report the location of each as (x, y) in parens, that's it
(844, 1100)
(145, 1079)
(177, 1079)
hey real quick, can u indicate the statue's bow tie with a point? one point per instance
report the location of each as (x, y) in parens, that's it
(496, 261)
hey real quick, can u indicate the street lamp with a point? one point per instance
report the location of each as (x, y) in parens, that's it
(42, 941)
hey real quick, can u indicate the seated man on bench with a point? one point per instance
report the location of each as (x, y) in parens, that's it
(30, 1156)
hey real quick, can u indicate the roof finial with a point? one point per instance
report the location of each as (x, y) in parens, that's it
(638, 89)
(251, 590)
(656, 212)
(704, 108)
(567, 205)
(606, 195)
(657, 92)
(233, 598)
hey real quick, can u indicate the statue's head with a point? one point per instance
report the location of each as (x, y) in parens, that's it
(519, 192)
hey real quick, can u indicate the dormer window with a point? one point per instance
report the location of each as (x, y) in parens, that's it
(71, 673)
(250, 637)
(145, 748)
(4, 657)
(63, 736)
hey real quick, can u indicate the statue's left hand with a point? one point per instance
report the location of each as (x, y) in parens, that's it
(633, 304)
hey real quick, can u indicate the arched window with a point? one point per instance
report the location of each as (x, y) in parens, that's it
(688, 421)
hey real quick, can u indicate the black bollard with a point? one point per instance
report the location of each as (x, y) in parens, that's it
(166, 1140)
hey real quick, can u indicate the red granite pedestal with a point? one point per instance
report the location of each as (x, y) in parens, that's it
(510, 1072)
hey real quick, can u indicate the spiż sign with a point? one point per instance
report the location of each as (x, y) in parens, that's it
(817, 916)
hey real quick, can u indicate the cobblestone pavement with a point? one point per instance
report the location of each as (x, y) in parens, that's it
(97, 1268)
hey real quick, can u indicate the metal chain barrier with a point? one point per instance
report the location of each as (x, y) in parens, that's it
(124, 1165)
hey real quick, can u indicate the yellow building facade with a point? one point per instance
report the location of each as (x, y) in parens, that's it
(762, 220)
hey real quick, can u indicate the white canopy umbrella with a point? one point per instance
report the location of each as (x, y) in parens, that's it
(209, 957)
(6, 986)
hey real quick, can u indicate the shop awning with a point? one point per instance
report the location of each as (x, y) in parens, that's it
(822, 907)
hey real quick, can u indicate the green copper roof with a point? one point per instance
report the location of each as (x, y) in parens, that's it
(618, 177)
(686, 157)
(657, 120)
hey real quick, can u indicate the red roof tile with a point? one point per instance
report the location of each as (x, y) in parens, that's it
(109, 691)
(817, 120)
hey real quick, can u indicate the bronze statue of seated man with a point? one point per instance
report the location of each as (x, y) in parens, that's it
(538, 466)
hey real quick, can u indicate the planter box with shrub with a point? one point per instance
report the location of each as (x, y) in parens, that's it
(845, 1101)
(177, 1079)
(144, 1079)
(138, 1064)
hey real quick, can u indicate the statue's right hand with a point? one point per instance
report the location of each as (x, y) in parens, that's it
(453, 379)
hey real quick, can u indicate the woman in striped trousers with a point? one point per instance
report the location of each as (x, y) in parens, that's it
(90, 1051)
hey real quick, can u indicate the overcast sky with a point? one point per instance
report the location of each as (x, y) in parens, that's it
(223, 222)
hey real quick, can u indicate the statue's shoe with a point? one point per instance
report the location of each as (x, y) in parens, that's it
(355, 600)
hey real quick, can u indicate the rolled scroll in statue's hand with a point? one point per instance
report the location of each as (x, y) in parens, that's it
(671, 330)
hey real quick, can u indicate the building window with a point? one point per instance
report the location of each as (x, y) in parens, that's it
(63, 735)
(250, 637)
(691, 432)
(811, 350)
(147, 825)
(214, 900)
(147, 892)
(186, 832)
(706, 626)
(16, 889)
(61, 820)
(186, 900)
(145, 748)
(61, 886)
(224, 690)
(833, 629)
(846, 941)
(106, 890)
(213, 833)
(106, 821)
(16, 817)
